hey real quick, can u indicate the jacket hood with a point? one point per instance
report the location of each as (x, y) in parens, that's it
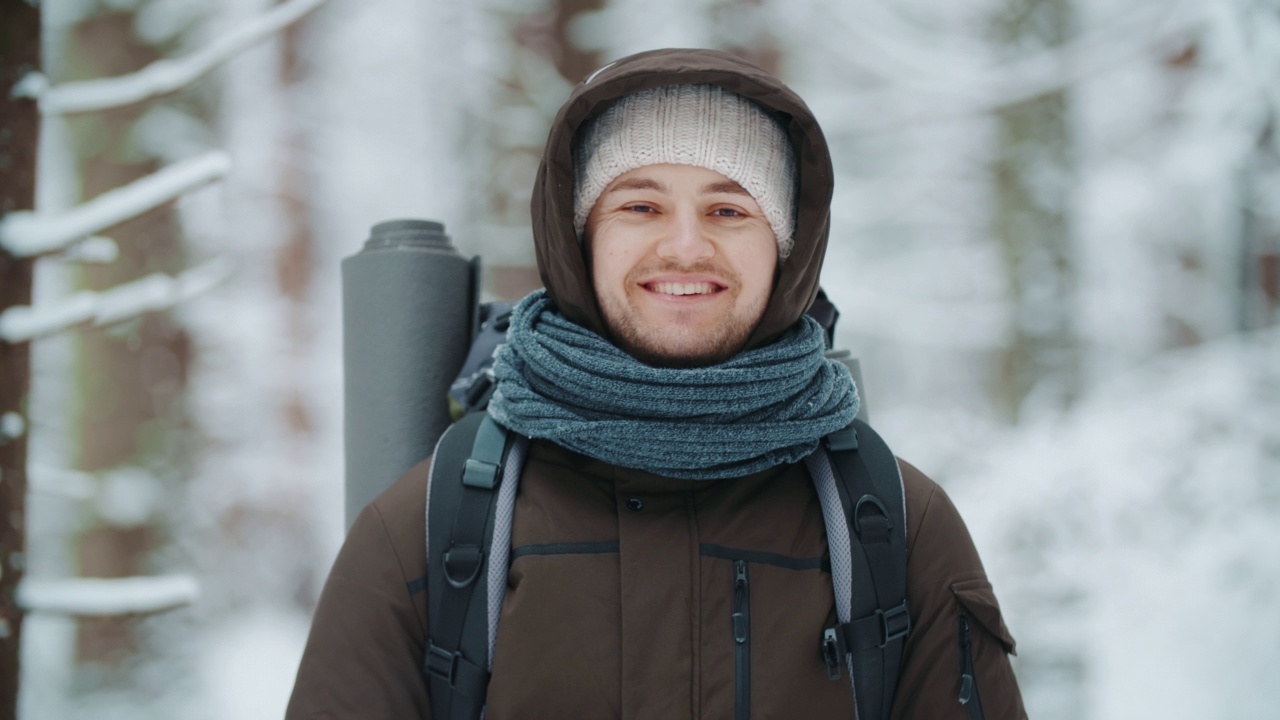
(562, 260)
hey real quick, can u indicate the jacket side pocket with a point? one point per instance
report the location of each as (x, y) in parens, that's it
(978, 601)
(978, 612)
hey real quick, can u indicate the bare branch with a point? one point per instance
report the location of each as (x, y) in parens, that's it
(166, 76)
(123, 302)
(107, 596)
(25, 234)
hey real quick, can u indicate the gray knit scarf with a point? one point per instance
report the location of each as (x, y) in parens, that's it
(763, 407)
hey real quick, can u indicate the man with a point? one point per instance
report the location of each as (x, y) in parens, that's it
(669, 550)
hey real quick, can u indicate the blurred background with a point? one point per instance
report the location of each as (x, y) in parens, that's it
(1056, 248)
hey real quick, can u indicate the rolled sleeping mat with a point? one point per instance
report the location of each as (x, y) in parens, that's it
(409, 304)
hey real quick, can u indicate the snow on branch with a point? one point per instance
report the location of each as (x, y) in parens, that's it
(94, 249)
(166, 76)
(61, 482)
(107, 596)
(122, 302)
(888, 47)
(24, 233)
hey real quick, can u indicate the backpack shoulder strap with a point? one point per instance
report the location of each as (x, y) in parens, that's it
(869, 485)
(462, 494)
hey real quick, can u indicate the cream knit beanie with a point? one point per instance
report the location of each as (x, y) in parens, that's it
(702, 125)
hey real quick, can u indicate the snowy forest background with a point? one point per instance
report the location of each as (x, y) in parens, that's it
(1056, 250)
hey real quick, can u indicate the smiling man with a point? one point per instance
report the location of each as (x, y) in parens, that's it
(682, 261)
(668, 552)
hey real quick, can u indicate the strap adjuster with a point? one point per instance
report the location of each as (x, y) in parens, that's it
(895, 624)
(442, 663)
(479, 474)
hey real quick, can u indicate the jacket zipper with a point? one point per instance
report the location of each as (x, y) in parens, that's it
(968, 682)
(742, 640)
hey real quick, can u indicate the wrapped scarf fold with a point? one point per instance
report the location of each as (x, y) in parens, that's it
(763, 407)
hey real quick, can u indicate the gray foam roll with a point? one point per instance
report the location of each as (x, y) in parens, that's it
(408, 314)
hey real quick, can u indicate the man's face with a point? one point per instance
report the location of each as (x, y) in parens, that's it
(682, 260)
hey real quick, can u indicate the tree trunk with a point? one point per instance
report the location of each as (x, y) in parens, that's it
(512, 272)
(19, 54)
(1033, 169)
(130, 377)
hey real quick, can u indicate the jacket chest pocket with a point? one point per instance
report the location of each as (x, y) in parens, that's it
(762, 618)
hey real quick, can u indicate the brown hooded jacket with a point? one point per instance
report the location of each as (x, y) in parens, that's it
(623, 584)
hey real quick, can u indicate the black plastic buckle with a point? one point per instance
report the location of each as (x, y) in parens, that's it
(442, 663)
(894, 624)
(833, 649)
(462, 565)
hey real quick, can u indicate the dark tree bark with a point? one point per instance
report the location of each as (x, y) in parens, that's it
(20, 128)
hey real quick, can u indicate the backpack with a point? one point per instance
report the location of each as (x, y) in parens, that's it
(470, 501)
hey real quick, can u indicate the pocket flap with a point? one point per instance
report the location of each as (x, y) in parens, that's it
(979, 601)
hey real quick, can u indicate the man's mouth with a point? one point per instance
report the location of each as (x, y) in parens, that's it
(683, 288)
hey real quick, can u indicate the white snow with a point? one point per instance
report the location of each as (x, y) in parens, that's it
(166, 76)
(95, 249)
(1137, 535)
(26, 233)
(12, 426)
(122, 302)
(247, 669)
(106, 596)
(70, 484)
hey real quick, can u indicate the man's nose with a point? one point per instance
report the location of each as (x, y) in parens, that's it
(686, 239)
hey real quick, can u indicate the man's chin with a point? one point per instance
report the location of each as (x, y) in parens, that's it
(697, 352)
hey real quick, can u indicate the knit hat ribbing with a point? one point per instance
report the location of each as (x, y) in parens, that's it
(701, 125)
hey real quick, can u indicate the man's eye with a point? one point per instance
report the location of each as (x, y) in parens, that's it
(640, 208)
(728, 212)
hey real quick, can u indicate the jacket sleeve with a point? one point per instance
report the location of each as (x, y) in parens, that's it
(951, 602)
(364, 655)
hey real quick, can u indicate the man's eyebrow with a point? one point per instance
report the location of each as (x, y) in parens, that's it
(724, 186)
(637, 183)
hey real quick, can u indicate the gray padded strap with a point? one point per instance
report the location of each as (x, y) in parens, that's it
(838, 544)
(500, 549)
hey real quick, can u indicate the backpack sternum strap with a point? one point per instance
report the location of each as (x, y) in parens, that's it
(466, 472)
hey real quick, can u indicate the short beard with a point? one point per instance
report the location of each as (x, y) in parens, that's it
(714, 349)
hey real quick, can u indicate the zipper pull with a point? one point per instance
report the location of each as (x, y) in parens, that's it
(740, 593)
(966, 662)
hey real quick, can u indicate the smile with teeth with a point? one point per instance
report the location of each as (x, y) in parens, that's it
(690, 288)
